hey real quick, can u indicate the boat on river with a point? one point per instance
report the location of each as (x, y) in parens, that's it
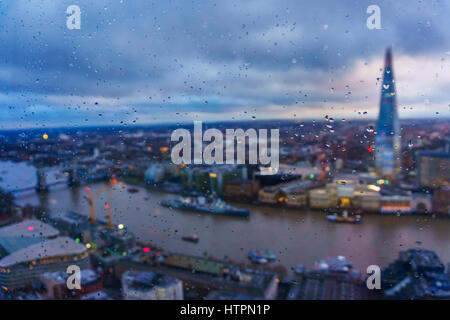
(344, 218)
(261, 256)
(191, 238)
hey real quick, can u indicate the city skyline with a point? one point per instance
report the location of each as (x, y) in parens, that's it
(238, 61)
(240, 150)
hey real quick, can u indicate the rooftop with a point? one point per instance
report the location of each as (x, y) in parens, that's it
(71, 217)
(29, 228)
(60, 246)
(24, 234)
(423, 259)
(146, 280)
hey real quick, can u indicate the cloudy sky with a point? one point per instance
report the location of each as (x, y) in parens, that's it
(138, 62)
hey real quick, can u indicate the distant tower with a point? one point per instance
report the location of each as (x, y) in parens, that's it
(73, 174)
(387, 140)
(41, 185)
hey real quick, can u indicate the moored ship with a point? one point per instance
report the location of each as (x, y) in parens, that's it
(213, 206)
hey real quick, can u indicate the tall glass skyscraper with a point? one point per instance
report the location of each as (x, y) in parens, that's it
(387, 140)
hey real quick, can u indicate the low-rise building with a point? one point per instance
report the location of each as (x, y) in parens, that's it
(24, 266)
(211, 179)
(241, 189)
(441, 201)
(55, 284)
(433, 169)
(293, 194)
(322, 286)
(323, 198)
(209, 274)
(271, 195)
(359, 191)
(421, 202)
(72, 224)
(155, 173)
(144, 285)
(367, 200)
(395, 203)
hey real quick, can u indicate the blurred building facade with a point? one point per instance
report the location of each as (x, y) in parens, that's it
(144, 285)
(387, 140)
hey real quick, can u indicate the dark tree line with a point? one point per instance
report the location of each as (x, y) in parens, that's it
(6, 202)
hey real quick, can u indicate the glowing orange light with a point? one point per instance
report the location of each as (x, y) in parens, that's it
(45, 136)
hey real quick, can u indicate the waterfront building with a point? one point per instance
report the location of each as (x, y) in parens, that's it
(241, 189)
(211, 179)
(297, 198)
(367, 200)
(205, 274)
(155, 173)
(292, 194)
(24, 234)
(387, 140)
(287, 173)
(395, 203)
(441, 200)
(433, 169)
(421, 202)
(199, 264)
(323, 198)
(144, 285)
(24, 266)
(271, 195)
(358, 190)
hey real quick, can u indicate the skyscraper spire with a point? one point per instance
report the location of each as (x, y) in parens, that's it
(388, 58)
(387, 141)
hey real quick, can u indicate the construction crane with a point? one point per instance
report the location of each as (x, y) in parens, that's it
(90, 197)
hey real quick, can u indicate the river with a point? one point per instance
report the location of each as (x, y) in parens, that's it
(295, 236)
